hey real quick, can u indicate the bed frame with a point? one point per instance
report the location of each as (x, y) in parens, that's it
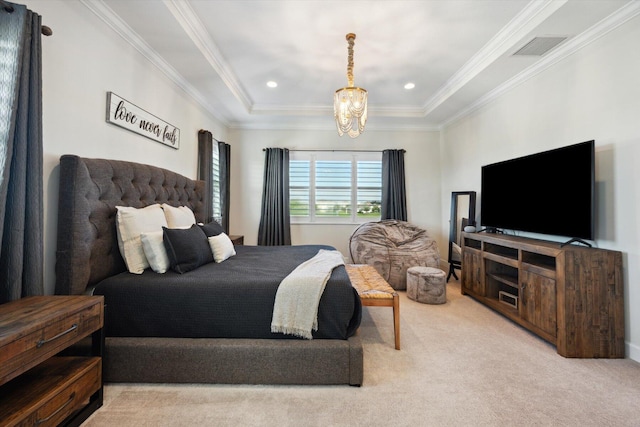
(87, 252)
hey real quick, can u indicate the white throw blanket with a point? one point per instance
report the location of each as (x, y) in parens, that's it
(295, 311)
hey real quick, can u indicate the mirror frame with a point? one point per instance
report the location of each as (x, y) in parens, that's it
(453, 223)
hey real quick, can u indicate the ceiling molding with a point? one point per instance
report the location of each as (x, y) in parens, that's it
(568, 48)
(324, 110)
(371, 127)
(195, 29)
(107, 15)
(528, 19)
(292, 110)
(398, 111)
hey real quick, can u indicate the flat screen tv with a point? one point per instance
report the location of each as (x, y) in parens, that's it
(551, 192)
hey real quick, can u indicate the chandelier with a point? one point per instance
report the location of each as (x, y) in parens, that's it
(350, 103)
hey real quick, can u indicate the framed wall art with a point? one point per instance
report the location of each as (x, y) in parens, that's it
(123, 113)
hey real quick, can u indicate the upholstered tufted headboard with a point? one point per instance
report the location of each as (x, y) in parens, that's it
(90, 190)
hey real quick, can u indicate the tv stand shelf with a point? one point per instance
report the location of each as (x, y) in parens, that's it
(571, 296)
(507, 280)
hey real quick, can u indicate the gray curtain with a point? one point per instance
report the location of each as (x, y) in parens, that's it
(205, 169)
(21, 204)
(275, 228)
(205, 173)
(394, 193)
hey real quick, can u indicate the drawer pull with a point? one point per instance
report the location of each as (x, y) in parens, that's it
(71, 329)
(44, 420)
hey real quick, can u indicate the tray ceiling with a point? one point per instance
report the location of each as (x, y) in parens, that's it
(459, 54)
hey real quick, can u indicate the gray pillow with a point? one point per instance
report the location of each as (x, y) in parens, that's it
(187, 249)
(212, 229)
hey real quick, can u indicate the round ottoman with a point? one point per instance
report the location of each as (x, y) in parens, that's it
(427, 285)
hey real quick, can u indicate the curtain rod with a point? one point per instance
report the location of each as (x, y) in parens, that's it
(46, 31)
(340, 151)
(204, 130)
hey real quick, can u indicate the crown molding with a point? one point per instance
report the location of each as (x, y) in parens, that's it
(328, 123)
(195, 29)
(330, 126)
(327, 110)
(291, 110)
(108, 16)
(566, 49)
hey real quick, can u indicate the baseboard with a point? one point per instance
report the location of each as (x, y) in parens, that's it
(633, 351)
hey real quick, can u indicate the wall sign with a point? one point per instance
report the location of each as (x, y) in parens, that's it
(122, 113)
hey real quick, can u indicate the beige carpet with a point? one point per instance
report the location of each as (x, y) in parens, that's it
(461, 364)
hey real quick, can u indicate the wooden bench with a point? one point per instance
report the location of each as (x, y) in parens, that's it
(375, 291)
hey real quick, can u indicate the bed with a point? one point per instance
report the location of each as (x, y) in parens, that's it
(174, 327)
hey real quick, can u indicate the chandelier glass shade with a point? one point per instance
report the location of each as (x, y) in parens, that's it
(350, 102)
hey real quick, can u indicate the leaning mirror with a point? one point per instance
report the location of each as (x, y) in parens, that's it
(463, 213)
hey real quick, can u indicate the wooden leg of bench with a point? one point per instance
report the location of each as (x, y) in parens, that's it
(396, 319)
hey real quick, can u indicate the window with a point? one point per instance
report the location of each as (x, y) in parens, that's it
(9, 66)
(335, 187)
(215, 198)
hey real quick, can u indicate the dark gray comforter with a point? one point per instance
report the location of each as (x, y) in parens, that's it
(232, 299)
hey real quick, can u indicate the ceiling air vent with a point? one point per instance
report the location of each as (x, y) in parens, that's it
(540, 45)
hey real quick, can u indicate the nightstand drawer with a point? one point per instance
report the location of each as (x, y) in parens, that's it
(64, 385)
(237, 239)
(22, 348)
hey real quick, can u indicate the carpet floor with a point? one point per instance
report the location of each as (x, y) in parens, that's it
(461, 364)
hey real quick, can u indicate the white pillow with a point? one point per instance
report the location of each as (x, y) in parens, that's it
(130, 224)
(181, 217)
(154, 250)
(222, 247)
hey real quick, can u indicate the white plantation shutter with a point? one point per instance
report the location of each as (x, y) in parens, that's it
(299, 187)
(335, 187)
(215, 199)
(369, 188)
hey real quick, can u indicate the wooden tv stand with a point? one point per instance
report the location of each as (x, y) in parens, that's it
(571, 296)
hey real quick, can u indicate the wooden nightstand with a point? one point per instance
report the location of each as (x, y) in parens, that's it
(36, 386)
(237, 239)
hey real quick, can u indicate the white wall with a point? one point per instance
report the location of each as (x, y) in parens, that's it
(593, 94)
(81, 62)
(422, 168)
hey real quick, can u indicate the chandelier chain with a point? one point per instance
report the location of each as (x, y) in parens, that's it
(350, 38)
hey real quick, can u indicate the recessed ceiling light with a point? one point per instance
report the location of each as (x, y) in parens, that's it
(272, 84)
(409, 86)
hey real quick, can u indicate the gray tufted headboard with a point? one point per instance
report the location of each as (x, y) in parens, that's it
(90, 190)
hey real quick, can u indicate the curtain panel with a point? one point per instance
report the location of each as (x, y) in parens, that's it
(205, 172)
(394, 193)
(205, 169)
(21, 202)
(275, 222)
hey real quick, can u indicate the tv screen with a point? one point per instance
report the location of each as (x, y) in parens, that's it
(549, 193)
